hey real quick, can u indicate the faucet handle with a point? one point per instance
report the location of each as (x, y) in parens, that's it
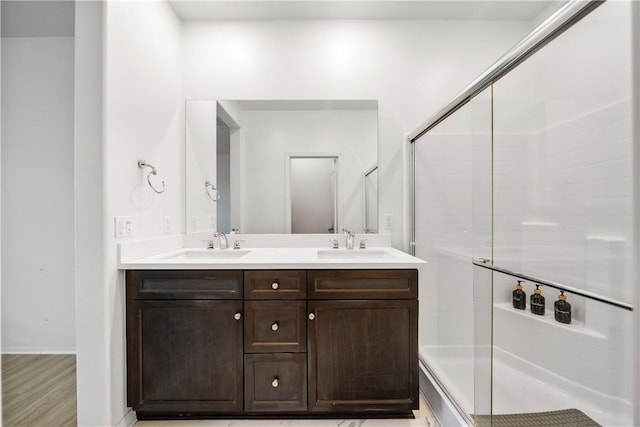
(334, 243)
(236, 244)
(363, 243)
(209, 243)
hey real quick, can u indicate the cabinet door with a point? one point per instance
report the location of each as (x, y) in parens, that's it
(185, 356)
(363, 356)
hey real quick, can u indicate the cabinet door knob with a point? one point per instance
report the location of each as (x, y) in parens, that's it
(275, 383)
(312, 316)
(237, 316)
(274, 326)
(275, 286)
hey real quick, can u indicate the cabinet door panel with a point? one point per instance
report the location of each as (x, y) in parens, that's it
(363, 356)
(185, 356)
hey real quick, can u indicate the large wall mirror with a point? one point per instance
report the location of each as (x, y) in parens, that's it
(281, 166)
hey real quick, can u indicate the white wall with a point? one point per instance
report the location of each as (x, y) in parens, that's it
(38, 292)
(143, 119)
(411, 67)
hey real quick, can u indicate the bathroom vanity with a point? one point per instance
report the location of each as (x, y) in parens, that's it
(323, 337)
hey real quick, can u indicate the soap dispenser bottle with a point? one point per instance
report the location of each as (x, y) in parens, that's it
(562, 309)
(519, 297)
(537, 302)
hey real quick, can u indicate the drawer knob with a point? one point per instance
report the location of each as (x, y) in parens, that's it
(275, 383)
(274, 326)
(312, 316)
(275, 286)
(237, 316)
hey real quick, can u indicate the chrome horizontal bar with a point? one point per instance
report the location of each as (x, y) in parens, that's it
(560, 21)
(555, 285)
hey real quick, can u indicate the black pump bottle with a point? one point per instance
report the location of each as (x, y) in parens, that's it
(519, 297)
(562, 309)
(537, 302)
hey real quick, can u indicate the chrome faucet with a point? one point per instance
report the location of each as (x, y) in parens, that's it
(350, 237)
(222, 239)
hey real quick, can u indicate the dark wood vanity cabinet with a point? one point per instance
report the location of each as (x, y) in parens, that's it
(320, 342)
(363, 341)
(184, 354)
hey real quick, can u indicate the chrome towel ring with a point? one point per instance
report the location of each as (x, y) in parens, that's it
(208, 187)
(142, 164)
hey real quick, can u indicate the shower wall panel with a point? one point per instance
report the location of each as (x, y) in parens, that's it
(563, 150)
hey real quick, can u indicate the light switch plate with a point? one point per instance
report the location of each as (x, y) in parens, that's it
(124, 226)
(388, 222)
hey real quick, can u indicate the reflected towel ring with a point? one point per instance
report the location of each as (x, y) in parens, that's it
(209, 186)
(142, 164)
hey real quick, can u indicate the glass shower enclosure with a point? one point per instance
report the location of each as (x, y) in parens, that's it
(533, 179)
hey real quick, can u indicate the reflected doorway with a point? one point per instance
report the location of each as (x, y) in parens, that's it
(223, 176)
(313, 194)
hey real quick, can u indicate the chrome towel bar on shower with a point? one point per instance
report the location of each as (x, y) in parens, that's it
(486, 263)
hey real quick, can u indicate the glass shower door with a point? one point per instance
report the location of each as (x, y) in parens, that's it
(563, 215)
(451, 168)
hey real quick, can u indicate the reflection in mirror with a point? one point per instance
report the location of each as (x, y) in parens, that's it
(313, 194)
(223, 177)
(244, 148)
(371, 200)
(200, 159)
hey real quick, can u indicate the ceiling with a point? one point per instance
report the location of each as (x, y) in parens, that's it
(518, 10)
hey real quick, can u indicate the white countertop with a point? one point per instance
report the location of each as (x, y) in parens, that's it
(275, 258)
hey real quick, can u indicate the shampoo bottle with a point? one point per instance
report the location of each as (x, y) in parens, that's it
(537, 302)
(519, 297)
(562, 309)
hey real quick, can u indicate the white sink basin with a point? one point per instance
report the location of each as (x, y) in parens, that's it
(209, 254)
(353, 254)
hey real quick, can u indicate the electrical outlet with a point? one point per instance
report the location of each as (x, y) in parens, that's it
(167, 225)
(124, 226)
(388, 222)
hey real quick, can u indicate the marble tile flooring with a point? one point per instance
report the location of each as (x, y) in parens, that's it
(423, 418)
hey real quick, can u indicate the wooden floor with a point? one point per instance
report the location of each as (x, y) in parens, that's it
(38, 390)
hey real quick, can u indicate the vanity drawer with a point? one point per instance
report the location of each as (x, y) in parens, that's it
(275, 326)
(275, 382)
(275, 284)
(362, 284)
(184, 284)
